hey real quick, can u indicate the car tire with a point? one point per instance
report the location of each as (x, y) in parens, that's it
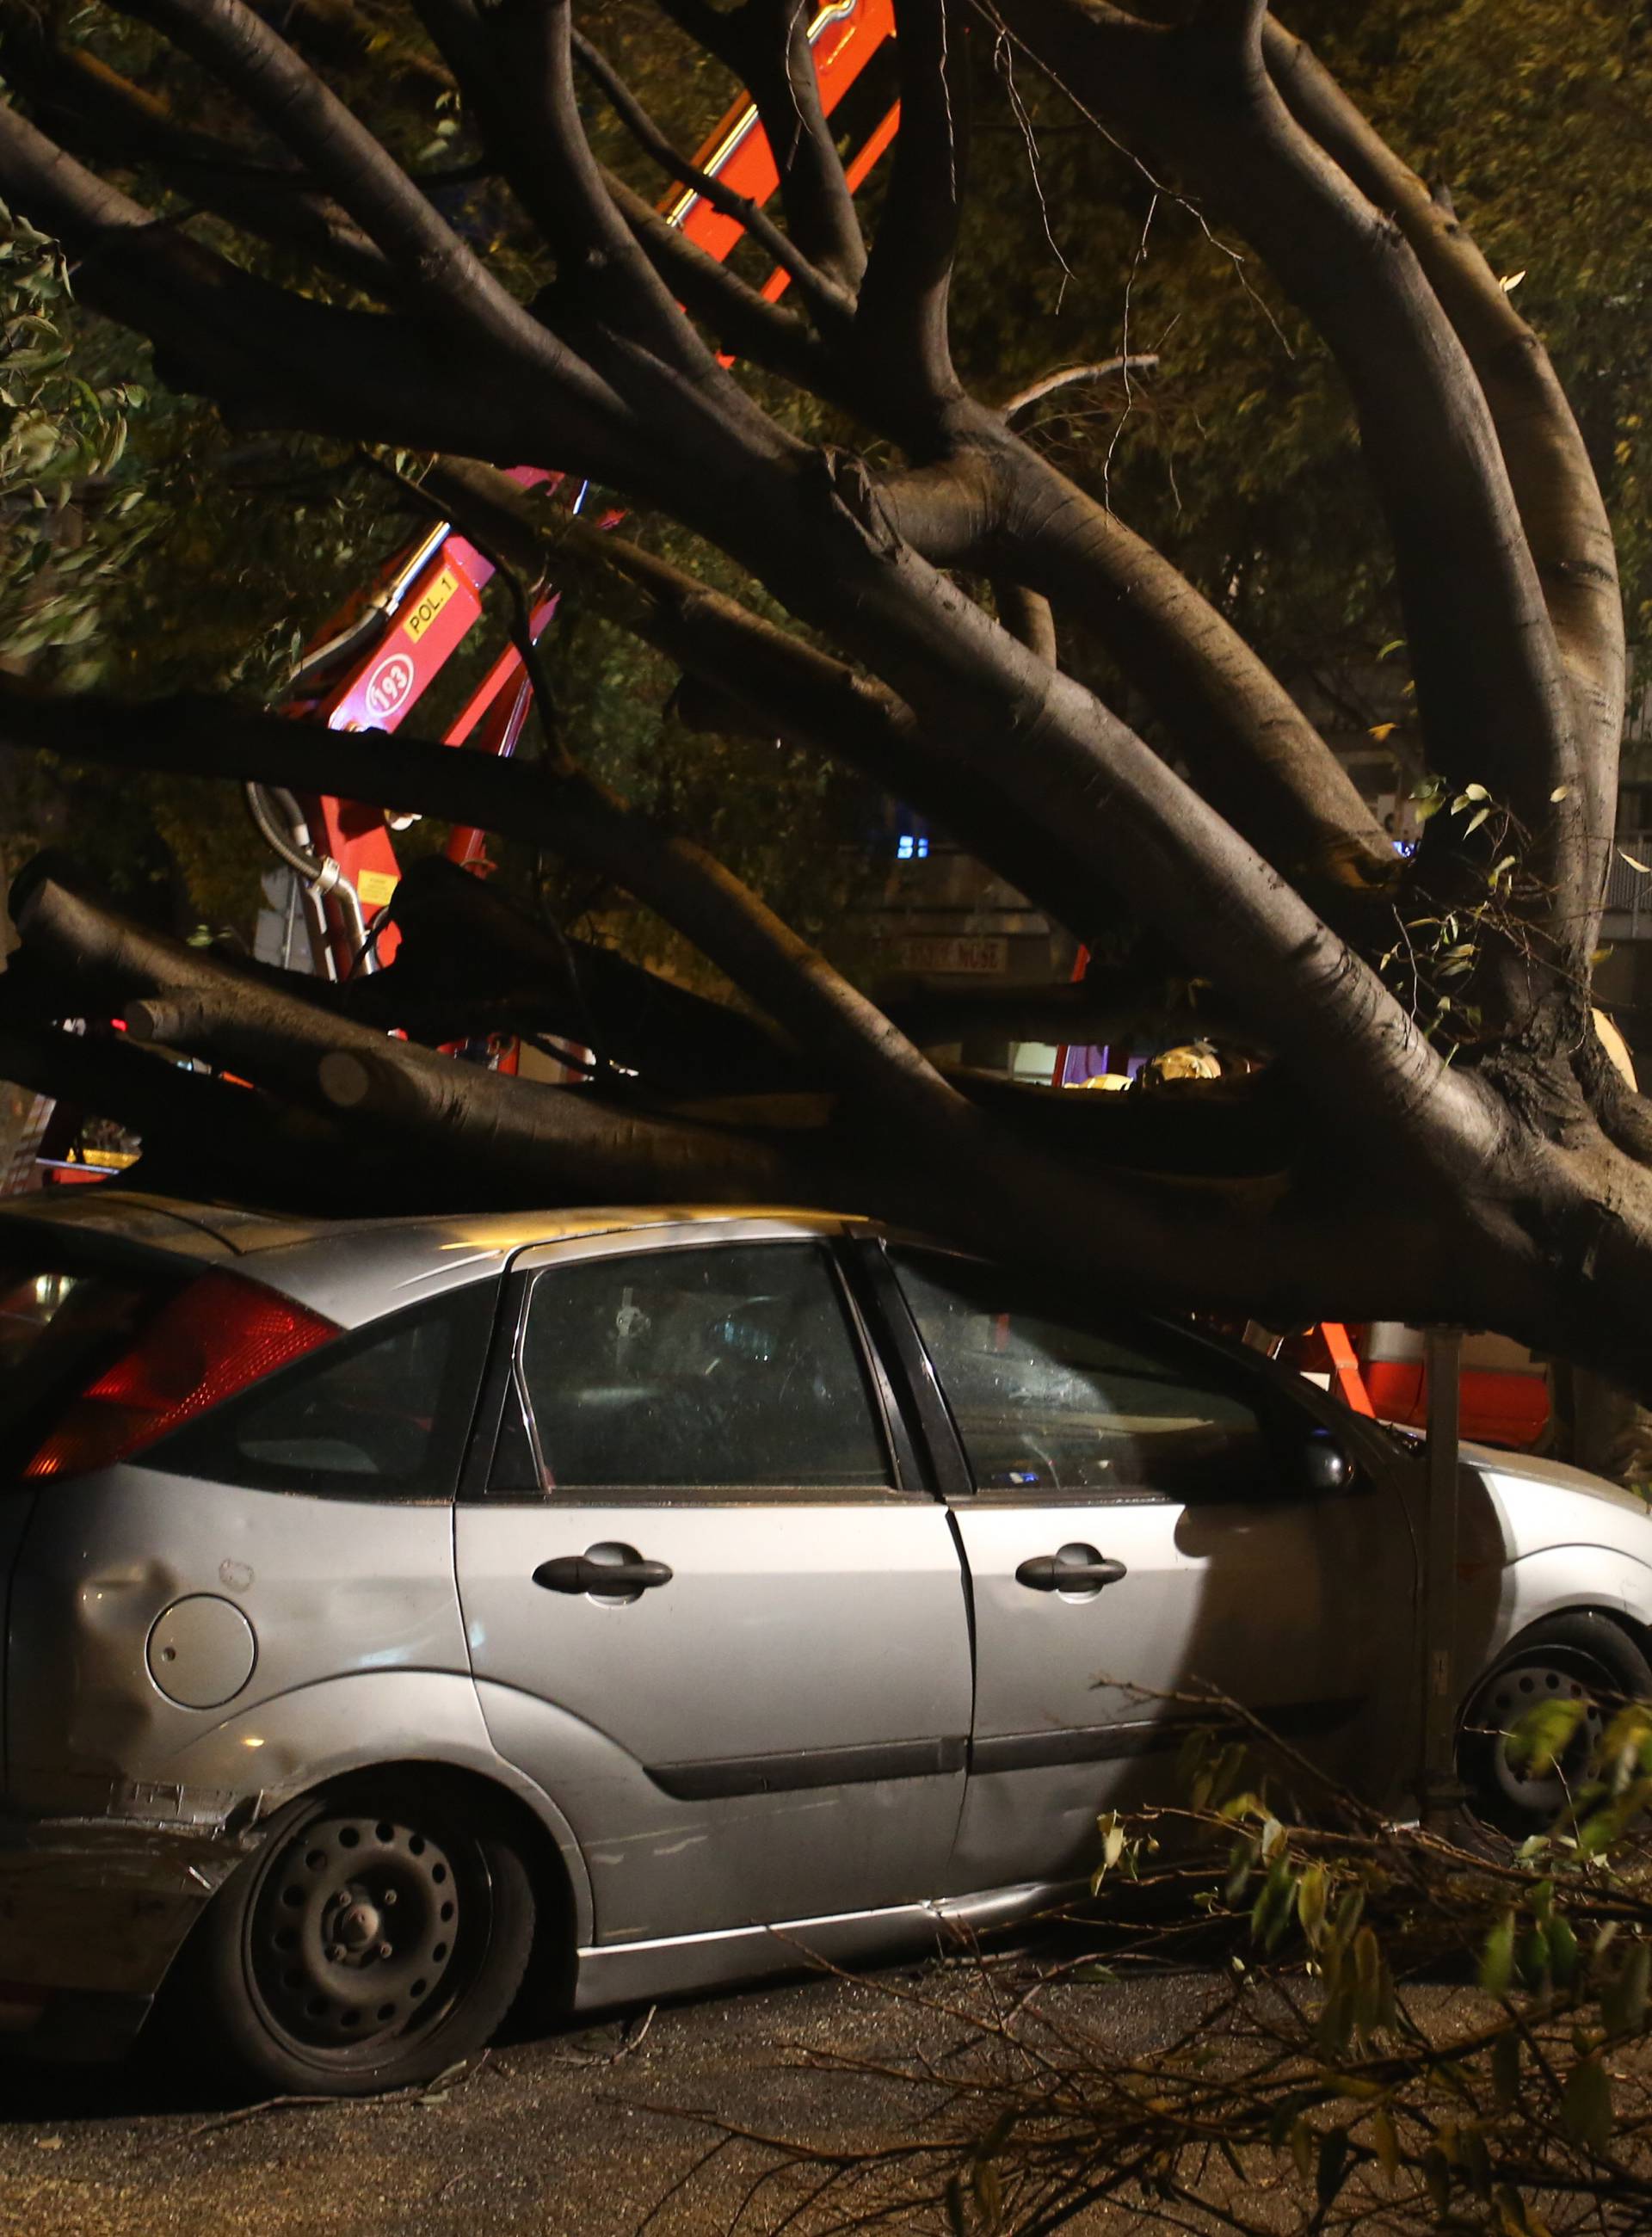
(1583, 1657)
(379, 1936)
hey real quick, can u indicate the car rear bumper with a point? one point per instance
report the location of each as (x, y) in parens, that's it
(93, 1911)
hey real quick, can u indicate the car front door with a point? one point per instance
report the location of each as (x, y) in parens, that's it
(766, 1716)
(1175, 1486)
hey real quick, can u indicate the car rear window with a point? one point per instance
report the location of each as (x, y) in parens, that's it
(384, 1412)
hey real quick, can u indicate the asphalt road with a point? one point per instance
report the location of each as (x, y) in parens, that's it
(582, 2135)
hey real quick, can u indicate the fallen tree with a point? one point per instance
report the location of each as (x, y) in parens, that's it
(1438, 1132)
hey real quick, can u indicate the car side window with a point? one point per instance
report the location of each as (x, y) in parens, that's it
(1046, 1405)
(383, 1413)
(730, 1368)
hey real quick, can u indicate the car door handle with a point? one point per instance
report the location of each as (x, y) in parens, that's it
(1074, 1569)
(577, 1572)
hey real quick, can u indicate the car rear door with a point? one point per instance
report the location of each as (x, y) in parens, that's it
(766, 1718)
(1169, 1481)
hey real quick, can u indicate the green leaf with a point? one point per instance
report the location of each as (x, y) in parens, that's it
(1302, 2147)
(1350, 1911)
(1538, 1739)
(990, 2192)
(1623, 2000)
(1496, 1959)
(1310, 1904)
(1113, 1844)
(1370, 1974)
(1476, 821)
(1191, 1757)
(1515, 2217)
(1229, 1767)
(1586, 2104)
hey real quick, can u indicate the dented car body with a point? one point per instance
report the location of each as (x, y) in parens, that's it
(767, 1584)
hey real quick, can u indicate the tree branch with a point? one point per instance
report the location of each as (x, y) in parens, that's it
(1050, 754)
(783, 687)
(512, 1135)
(469, 962)
(1026, 614)
(901, 324)
(1492, 688)
(571, 816)
(998, 505)
(825, 548)
(94, 111)
(1067, 376)
(338, 32)
(831, 307)
(229, 1139)
(744, 321)
(260, 351)
(765, 44)
(249, 59)
(1554, 483)
(516, 66)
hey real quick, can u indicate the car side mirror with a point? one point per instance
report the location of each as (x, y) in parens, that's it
(1325, 1467)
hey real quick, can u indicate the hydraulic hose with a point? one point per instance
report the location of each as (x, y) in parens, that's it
(320, 874)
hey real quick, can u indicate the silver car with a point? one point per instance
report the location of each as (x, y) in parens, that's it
(628, 1602)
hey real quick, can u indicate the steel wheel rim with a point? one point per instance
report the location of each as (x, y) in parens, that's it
(1507, 1697)
(363, 1933)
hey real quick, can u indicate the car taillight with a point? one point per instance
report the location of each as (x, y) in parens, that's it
(213, 1338)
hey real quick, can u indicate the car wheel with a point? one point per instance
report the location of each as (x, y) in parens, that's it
(1583, 1658)
(379, 1936)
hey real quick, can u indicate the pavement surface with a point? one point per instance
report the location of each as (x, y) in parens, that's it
(602, 2133)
